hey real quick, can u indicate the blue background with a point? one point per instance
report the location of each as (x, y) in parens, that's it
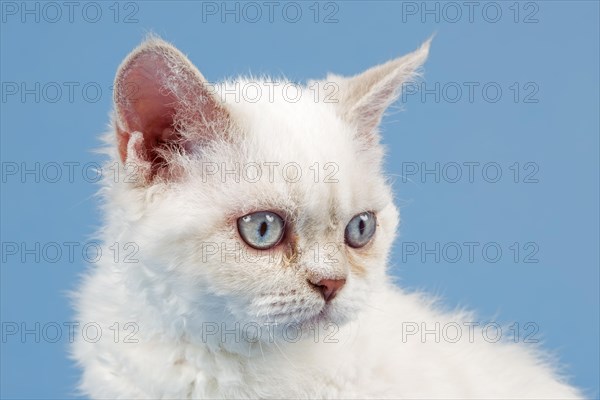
(558, 55)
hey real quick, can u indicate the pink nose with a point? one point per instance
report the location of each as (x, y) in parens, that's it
(329, 287)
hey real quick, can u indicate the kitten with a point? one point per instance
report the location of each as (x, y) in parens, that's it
(254, 222)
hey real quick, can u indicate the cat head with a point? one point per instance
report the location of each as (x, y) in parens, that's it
(252, 200)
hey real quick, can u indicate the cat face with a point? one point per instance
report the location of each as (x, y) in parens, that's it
(254, 201)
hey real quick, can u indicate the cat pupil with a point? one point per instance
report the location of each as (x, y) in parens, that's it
(263, 229)
(361, 227)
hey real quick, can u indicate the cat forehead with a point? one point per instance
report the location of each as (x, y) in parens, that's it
(278, 114)
(310, 163)
(313, 206)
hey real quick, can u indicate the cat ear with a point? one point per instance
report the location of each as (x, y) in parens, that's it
(163, 104)
(364, 98)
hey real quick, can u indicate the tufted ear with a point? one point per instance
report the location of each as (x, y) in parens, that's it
(364, 98)
(163, 104)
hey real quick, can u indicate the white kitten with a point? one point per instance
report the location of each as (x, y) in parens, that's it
(254, 222)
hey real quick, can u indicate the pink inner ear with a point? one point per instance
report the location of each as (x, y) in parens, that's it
(160, 94)
(144, 104)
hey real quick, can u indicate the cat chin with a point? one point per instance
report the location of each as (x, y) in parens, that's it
(328, 314)
(244, 336)
(329, 319)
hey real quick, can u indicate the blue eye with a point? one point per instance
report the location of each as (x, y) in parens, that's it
(360, 229)
(261, 230)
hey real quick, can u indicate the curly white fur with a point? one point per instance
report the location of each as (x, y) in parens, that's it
(195, 294)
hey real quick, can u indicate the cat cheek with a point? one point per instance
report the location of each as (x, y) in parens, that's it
(357, 267)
